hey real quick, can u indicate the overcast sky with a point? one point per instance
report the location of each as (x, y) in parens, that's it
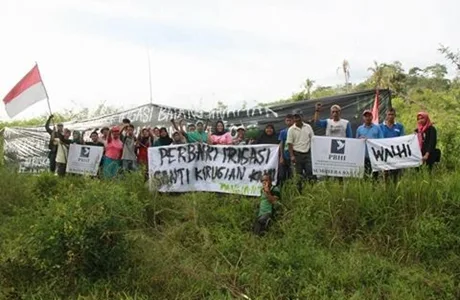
(235, 50)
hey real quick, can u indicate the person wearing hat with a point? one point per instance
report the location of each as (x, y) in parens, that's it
(335, 126)
(299, 142)
(369, 131)
(54, 134)
(240, 136)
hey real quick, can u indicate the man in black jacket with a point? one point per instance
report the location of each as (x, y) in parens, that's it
(54, 134)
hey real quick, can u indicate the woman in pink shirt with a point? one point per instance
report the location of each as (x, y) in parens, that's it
(220, 136)
(113, 151)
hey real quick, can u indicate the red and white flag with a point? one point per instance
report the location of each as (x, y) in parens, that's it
(375, 108)
(25, 93)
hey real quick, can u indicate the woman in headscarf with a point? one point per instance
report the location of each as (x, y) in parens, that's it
(164, 139)
(268, 136)
(427, 138)
(113, 152)
(220, 135)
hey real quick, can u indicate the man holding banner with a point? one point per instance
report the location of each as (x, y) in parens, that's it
(369, 131)
(392, 129)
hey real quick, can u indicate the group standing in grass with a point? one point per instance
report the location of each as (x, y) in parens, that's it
(124, 152)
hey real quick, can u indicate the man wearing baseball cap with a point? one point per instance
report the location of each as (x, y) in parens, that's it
(369, 131)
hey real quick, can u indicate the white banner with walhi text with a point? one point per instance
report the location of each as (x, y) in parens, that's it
(202, 167)
(394, 153)
(84, 159)
(337, 157)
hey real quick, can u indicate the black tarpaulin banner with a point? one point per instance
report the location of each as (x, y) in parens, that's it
(27, 148)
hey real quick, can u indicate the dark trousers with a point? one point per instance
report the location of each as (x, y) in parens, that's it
(303, 167)
(393, 175)
(368, 169)
(284, 171)
(61, 169)
(261, 224)
(52, 158)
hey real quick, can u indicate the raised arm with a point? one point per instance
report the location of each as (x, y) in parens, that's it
(47, 125)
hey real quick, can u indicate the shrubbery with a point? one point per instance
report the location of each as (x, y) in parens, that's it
(103, 240)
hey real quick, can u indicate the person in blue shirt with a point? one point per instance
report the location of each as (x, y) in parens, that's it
(390, 129)
(369, 131)
(284, 172)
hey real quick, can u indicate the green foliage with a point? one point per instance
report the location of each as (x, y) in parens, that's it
(83, 238)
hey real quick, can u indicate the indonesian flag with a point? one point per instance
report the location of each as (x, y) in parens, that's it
(375, 108)
(25, 93)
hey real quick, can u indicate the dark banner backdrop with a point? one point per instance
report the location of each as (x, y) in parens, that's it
(28, 147)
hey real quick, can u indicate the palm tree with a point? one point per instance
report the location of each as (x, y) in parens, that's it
(308, 85)
(346, 73)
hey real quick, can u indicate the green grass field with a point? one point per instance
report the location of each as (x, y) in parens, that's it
(82, 238)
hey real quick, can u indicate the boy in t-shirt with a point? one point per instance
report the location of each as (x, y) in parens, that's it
(270, 195)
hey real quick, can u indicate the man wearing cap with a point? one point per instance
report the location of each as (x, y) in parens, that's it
(369, 131)
(52, 146)
(299, 142)
(335, 126)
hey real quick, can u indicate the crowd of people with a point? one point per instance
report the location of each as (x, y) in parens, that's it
(125, 152)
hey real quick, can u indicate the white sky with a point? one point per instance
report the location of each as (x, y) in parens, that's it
(233, 51)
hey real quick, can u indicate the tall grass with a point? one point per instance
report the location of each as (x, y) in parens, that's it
(82, 238)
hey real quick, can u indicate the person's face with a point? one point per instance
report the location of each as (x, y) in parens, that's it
(105, 132)
(67, 134)
(94, 137)
(60, 128)
(116, 135)
(367, 119)
(199, 127)
(176, 137)
(269, 130)
(297, 120)
(391, 116)
(266, 180)
(421, 120)
(220, 127)
(163, 133)
(130, 131)
(145, 133)
(76, 135)
(288, 122)
(156, 132)
(335, 113)
(191, 128)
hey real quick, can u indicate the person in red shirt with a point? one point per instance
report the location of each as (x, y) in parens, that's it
(113, 152)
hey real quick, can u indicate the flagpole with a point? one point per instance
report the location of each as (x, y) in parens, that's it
(44, 87)
(150, 76)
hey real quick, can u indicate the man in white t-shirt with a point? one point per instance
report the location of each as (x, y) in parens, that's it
(299, 142)
(335, 126)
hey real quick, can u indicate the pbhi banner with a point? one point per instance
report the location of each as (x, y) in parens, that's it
(337, 157)
(84, 159)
